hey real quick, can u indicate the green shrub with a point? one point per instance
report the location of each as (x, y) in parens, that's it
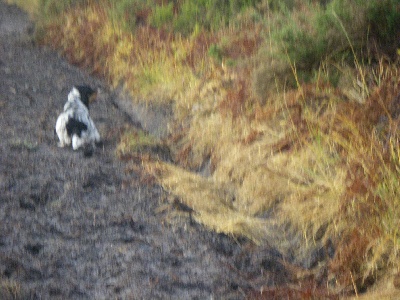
(209, 14)
(128, 13)
(162, 15)
(53, 8)
(384, 23)
(303, 48)
(215, 52)
(333, 32)
(188, 17)
(279, 5)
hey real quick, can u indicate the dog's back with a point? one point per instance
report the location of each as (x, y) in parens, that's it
(74, 125)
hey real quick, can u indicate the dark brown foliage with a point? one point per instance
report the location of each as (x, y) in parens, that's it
(242, 44)
(235, 100)
(349, 260)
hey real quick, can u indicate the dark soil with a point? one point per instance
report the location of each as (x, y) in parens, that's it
(83, 228)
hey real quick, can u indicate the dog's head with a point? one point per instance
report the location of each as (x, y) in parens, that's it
(86, 94)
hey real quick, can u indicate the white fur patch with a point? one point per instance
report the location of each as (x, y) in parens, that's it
(75, 109)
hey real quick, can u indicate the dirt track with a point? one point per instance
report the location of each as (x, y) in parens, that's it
(82, 228)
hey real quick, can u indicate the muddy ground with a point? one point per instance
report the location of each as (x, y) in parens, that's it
(82, 228)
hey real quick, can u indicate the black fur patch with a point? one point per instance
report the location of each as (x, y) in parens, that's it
(75, 127)
(86, 92)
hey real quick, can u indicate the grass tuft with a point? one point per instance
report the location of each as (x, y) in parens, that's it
(213, 204)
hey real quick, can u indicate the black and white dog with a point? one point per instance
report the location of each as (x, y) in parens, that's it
(74, 125)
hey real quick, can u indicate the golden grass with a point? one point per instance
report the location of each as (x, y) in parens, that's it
(10, 289)
(212, 202)
(134, 141)
(151, 64)
(252, 168)
(387, 288)
(324, 173)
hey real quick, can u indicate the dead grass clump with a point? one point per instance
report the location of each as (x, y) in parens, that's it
(369, 242)
(211, 201)
(235, 100)
(319, 181)
(349, 260)
(152, 63)
(10, 289)
(298, 181)
(323, 168)
(140, 146)
(75, 33)
(271, 75)
(134, 140)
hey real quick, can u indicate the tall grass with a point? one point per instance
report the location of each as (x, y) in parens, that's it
(338, 33)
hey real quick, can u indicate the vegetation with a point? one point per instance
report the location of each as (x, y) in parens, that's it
(291, 104)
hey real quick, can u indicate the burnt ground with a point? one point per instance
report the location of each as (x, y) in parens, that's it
(82, 228)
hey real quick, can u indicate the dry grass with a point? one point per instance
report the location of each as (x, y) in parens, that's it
(133, 141)
(151, 64)
(10, 289)
(314, 162)
(212, 202)
(264, 167)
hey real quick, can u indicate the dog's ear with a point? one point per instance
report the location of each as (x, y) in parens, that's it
(74, 93)
(87, 94)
